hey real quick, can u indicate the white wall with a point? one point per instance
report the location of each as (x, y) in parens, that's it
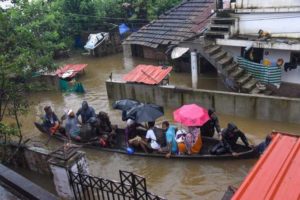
(266, 3)
(278, 24)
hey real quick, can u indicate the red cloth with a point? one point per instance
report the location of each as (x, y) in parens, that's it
(191, 115)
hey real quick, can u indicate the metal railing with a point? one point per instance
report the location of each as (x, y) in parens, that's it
(130, 187)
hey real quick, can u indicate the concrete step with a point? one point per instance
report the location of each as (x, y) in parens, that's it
(267, 92)
(219, 55)
(249, 85)
(213, 50)
(230, 67)
(225, 61)
(216, 34)
(255, 91)
(219, 27)
(223, 20)
(237, 73)
(243, 79)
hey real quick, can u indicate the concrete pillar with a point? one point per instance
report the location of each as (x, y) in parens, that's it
(194, 69)
(60, 170)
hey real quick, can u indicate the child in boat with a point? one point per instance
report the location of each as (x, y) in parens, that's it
(193, 140)
(171, 146)
(180, 139)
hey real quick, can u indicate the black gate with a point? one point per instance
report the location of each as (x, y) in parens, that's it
(131, 186)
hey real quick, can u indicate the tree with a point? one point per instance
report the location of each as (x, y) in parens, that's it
(29, 36)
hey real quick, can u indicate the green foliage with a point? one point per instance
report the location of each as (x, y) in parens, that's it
(29, 36)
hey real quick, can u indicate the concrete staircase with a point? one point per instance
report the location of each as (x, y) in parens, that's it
(233, 75)
(221, 26)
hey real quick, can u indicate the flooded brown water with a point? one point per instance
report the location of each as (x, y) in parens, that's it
(174, 179)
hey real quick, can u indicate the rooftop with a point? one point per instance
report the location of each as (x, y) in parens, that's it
(178, 24)
(147, 74)
(276, 175)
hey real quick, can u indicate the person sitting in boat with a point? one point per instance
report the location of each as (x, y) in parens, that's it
(151, 138)
(87, 113)
(72, 126)
(105, 130)
(132, 137)
(180, 139)
(230, 135)
(171, 146)
(193, 140)
(50, 121)
(263, 145)
(208, 129)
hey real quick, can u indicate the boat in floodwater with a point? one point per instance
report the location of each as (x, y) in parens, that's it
(243, 152)
(94, 40)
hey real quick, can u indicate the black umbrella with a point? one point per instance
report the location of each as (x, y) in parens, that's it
(125, 104)
(145, 113)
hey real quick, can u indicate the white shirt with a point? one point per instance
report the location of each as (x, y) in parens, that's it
(150, 135)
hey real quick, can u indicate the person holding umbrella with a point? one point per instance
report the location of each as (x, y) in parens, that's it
(192, 116)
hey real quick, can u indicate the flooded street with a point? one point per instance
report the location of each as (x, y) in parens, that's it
(174, 179)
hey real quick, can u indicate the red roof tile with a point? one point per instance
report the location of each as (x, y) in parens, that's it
(147, 74)
(276, 175)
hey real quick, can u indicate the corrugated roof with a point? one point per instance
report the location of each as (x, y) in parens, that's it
(276, 175)
(70, 70)
(178, 24)
(148, 74)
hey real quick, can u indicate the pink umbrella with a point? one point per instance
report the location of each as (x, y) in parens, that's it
(191, 115)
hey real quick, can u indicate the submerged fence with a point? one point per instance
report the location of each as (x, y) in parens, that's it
(130, 187)
(265, 74)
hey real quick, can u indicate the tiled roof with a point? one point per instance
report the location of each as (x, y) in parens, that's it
(147, 74)
(276, 175)
(178, 24)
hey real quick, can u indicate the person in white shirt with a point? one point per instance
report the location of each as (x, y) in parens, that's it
(151, 138)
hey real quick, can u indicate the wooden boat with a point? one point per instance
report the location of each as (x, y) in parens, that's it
(243, 151)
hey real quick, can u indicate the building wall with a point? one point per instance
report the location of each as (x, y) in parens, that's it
(290, 76)
(266, 3)
(155, 54)
(278, 24)
(245, 105)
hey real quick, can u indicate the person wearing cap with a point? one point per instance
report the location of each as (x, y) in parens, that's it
(87, 113)
(230, 135)
(50, 122)
(72, 126)
(208, 129)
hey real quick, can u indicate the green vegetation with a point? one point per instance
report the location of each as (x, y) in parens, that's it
(31, 34)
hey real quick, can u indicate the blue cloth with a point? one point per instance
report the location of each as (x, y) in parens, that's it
(123, 28)
(86, 115)
(170, 137)
(50, 120)
(72, 127)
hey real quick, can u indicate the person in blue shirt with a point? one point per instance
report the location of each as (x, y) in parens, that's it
(87, 113)
(171, 146)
